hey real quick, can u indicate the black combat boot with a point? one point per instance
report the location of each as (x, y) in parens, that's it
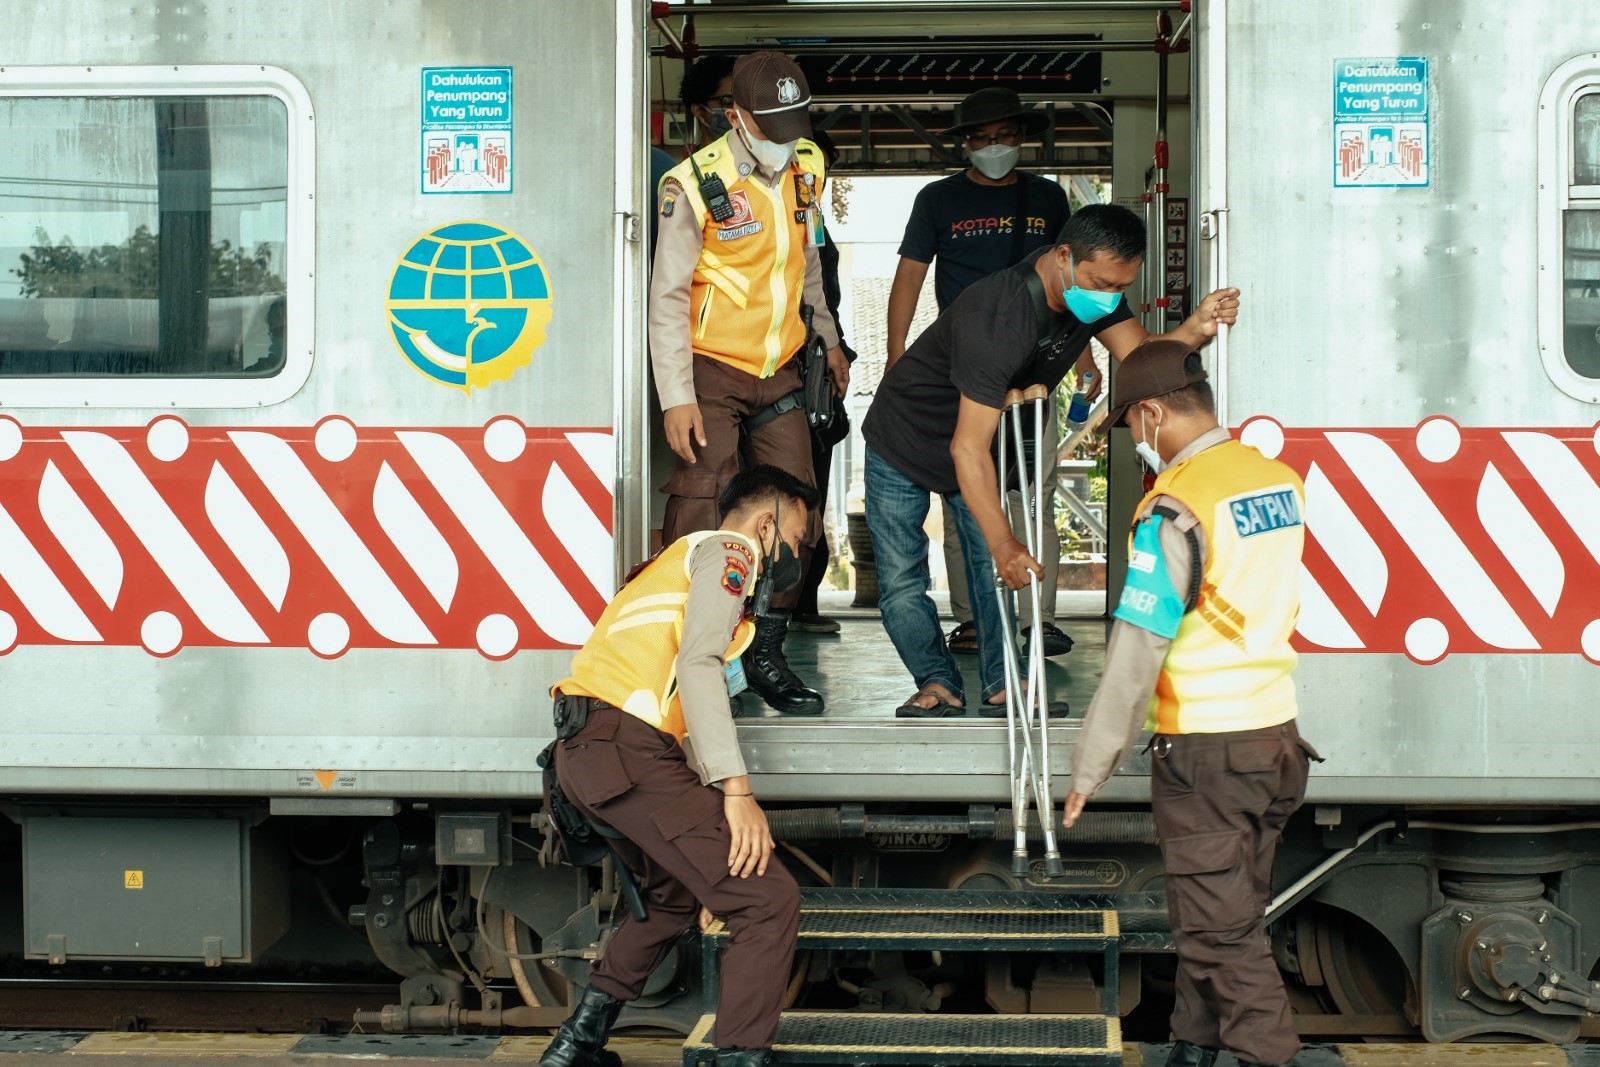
(581, 1041)
(1184, 1054)
(743, 1057)
(768, 672)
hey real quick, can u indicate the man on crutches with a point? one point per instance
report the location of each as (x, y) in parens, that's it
(932, 425)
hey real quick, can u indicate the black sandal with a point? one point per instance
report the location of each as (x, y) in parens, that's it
(963, 639)
(942, 710)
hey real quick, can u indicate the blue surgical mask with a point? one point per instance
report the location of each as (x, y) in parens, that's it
(1086, 305)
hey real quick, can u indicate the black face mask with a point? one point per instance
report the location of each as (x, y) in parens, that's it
(780, 571)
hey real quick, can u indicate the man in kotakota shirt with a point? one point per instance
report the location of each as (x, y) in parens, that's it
(969, 225)
(932, 424)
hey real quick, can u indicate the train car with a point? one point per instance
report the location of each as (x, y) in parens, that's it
(326, 433)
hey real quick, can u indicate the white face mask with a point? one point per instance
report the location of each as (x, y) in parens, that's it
(773, 155)
(995, 161)
(1146, 451)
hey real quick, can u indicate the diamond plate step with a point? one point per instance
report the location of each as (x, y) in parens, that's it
(824, 1037)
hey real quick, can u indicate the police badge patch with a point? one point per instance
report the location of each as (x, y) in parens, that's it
(670, 191)
(735, 572)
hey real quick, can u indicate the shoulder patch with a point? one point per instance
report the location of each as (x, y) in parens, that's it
(738, 546)
(671, 189)
(735, 573)
(1148, 599)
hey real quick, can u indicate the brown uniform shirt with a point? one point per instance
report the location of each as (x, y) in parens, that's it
(709, 618)
(1116, 715)
(680, 238)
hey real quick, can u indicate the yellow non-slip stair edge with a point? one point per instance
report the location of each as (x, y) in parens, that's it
(700, 1037)
(178, 1044)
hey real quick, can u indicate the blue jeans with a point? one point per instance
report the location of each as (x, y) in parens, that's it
(896, 509)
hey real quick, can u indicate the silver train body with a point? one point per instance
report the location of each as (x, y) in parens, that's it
(323, 550)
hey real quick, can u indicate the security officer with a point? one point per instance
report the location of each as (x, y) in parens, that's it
(740, 225)
(1201, 646)
(646, 746)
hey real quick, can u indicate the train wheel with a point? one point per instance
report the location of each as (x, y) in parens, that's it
(1349, 966)
(539, 985)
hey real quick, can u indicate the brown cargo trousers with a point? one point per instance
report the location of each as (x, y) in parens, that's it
(624, 773)
(727, 396)
(1220, 803)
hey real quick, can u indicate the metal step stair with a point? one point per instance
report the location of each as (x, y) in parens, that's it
(872, 920)
(824, 1037)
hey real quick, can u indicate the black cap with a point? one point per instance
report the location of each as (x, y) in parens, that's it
(995, 104)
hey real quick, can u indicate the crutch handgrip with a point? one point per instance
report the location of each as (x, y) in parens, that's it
(1033, 392)
(1013, 398)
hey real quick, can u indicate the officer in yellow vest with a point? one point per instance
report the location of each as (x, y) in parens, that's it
(646, 746)
(1200, 654)
(740, 224)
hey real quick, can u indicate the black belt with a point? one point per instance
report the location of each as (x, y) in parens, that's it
(570, 713)
(782, 406)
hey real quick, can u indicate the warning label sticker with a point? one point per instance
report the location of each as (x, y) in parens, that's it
(466, 129)
(1380, 122)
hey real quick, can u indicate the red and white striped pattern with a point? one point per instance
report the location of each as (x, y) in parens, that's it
(1440, 539)
(330, 538)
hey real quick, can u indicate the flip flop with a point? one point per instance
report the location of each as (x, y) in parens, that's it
(1058, 709)
(1056, 643)
(942, 710)
(963, 639)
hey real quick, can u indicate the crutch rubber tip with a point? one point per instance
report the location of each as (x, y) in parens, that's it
(1020, 867)
(1054, 867)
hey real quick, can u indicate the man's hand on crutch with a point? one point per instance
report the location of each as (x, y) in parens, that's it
(1014, 565)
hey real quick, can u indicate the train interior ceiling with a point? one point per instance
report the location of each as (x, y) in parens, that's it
(885, 79)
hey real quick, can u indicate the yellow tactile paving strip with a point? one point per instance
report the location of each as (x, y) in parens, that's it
(177, 1044)
(1463, 1055)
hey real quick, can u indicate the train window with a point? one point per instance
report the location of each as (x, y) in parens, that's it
(1586, 139)
(1569, 227)
(151, 241)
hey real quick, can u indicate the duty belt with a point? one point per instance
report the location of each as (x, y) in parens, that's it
(571, 714)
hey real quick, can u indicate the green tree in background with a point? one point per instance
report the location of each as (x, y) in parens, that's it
(130, 270)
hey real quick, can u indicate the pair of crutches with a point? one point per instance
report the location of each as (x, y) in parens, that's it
(1027, 702)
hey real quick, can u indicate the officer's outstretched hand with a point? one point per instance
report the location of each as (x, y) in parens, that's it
(1072, 809)
(1219, 308)
(1014, 565)
(839, 369)
(752, 844)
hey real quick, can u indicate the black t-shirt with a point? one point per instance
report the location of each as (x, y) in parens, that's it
(968, 227)
(987, 343)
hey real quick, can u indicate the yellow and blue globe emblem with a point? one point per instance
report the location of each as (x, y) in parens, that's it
(468, 304)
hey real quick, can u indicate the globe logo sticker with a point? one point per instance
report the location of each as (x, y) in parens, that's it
(468, 304)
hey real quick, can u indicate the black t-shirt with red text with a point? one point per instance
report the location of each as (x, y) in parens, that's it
(968, 228)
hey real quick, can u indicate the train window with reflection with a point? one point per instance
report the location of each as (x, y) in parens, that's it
(143, 237)
(1581, 241)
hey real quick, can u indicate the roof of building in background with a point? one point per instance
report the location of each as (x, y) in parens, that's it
(868, 328)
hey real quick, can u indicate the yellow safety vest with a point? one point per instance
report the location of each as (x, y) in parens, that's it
(1229, 666)
(631, 659)
(745, 295)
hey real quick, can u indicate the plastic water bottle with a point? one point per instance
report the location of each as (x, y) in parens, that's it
(1078, 410)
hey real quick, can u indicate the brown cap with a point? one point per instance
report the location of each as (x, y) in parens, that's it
(1153, 369)
(772, 88)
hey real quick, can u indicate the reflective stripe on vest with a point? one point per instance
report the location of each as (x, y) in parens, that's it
(747, 286)
(631, 659)
(1229, 667)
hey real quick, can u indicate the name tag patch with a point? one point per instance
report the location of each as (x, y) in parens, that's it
(1143, 561)
(733, 233)
(733, 670)
(1278, 509)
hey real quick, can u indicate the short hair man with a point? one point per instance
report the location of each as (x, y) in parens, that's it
(969, 225)
(736, 256)
(1200, 652)
(658, 761)
(932, 425)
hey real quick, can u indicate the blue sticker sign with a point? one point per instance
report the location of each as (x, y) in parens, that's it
(1380, 122)
(466, 129)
